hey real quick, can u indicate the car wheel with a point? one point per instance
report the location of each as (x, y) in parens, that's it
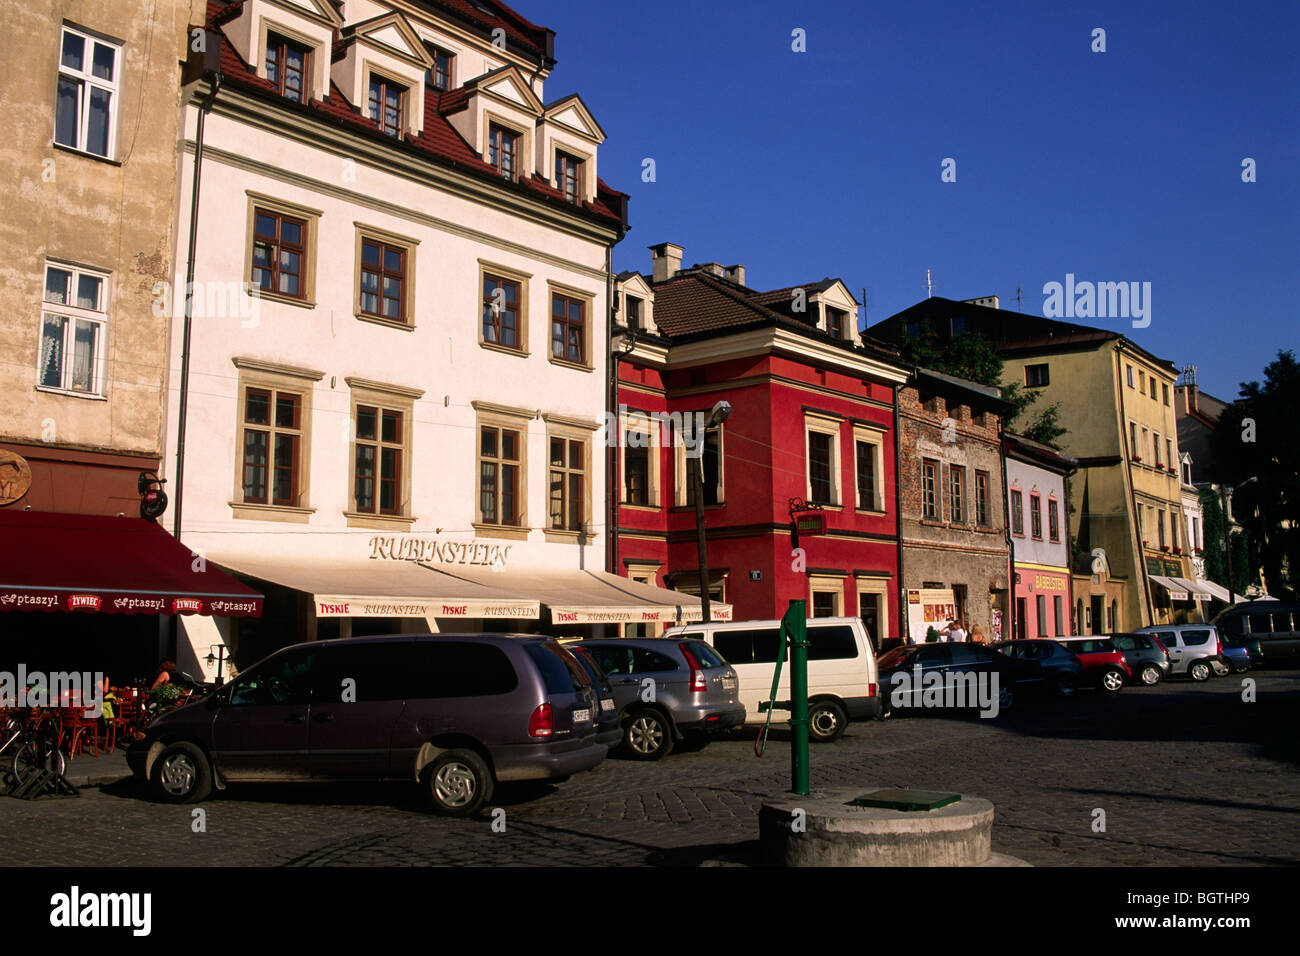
(182, 774)
(1112, 682)
(1150, 675)
(458, 783)
(1006, 697)
(647, 735)
(826, 721)
(1240, 668)
(1065, 686)
(1199, 671)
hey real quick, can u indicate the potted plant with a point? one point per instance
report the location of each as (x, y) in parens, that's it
(931, 635)
(1137, 458)
(1164, 547)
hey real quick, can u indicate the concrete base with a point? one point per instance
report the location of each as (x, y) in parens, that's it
(822, 829)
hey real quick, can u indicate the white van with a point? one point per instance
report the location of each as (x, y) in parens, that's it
(842, 683)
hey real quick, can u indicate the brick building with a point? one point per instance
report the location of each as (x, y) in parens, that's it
(956, 555)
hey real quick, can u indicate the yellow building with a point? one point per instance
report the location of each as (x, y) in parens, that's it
(1116, 400)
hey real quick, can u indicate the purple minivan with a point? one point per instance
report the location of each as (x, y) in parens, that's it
(455, 712)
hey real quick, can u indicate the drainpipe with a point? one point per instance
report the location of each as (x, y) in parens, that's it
(173, 625)
(1006, 531)
(1132, 492)
(898, 526)
(215, 80)
(613, 488)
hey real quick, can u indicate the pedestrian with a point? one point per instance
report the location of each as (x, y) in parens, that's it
(977, 635)
(955, 632)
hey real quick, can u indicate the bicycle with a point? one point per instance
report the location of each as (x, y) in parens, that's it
(33, 739)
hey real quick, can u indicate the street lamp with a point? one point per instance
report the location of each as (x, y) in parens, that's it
(720, 413)
(1227, 532)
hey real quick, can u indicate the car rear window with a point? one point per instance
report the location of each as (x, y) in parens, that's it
(560, 672)
(897, 656)
(831, 642)
(705, 656)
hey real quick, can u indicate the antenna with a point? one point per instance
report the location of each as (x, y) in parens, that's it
(1018, 297)
(929, 284)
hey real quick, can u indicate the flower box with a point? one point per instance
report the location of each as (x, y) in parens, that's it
(1164, 547)
(1137, 458)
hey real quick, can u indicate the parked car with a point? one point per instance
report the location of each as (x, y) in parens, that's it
(1236, 657)
(842, 683)
(1193, 649)
(458, 713)
(1145, 655)
(1274, 624)
(1014, 674)
(667, 690)
(609, 731)
(1103, 663)
(1253, 647)
(1062, 671)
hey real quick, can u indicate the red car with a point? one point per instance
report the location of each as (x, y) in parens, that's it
(1103, 663)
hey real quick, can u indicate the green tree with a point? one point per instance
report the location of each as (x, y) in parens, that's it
(1215, 554)
(972, 356)
(1255, 439)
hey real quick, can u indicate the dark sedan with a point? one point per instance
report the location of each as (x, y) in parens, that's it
(954, 676)
(1062, 671)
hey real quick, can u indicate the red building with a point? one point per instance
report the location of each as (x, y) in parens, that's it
(812, 418)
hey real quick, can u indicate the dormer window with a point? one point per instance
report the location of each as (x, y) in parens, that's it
(835, 322)
(503, 151)
(438, 76)
(387, 100)
(287, 67)
(568, 176)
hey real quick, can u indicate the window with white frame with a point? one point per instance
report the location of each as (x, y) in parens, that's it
(867, 466)
(823, 454)
(85, 112)
(74, 318)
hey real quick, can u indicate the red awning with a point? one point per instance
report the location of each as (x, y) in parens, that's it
(64, 562)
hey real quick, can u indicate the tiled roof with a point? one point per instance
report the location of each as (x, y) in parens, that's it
(696, 305)
(784, 295)
(438, 140)
(525, 34)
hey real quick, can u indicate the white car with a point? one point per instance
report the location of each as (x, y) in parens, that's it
(842, 681)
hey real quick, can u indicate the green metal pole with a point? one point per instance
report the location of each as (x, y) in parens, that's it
(796, 625)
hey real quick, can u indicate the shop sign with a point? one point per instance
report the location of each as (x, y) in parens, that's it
(438, 551)
(15, 477)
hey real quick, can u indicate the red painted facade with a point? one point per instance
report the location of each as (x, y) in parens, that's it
(764, 464)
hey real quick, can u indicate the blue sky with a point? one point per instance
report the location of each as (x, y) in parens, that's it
(1115, 166)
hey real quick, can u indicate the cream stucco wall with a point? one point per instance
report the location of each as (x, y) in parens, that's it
(114, 216)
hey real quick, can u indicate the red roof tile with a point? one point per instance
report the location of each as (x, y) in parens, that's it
(438, 140)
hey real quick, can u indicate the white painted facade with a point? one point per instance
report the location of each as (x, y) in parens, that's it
(434, 369)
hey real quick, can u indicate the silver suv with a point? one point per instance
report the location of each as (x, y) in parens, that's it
(668, 690)
(1194, 649)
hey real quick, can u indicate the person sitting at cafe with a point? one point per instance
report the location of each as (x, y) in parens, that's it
(166, 673)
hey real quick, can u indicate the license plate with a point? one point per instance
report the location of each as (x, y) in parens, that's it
(581, 716)
(607, 703)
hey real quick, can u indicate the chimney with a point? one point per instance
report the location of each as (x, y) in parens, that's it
(666, 258)
(990, 301)
(712, 268)
(736, 274)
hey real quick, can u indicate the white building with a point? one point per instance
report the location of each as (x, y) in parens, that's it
(401, 429)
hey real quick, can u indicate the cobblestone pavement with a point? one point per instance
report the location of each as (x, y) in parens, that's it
(1186, 774)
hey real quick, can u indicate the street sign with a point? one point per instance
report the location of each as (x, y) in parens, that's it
(810, 522)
